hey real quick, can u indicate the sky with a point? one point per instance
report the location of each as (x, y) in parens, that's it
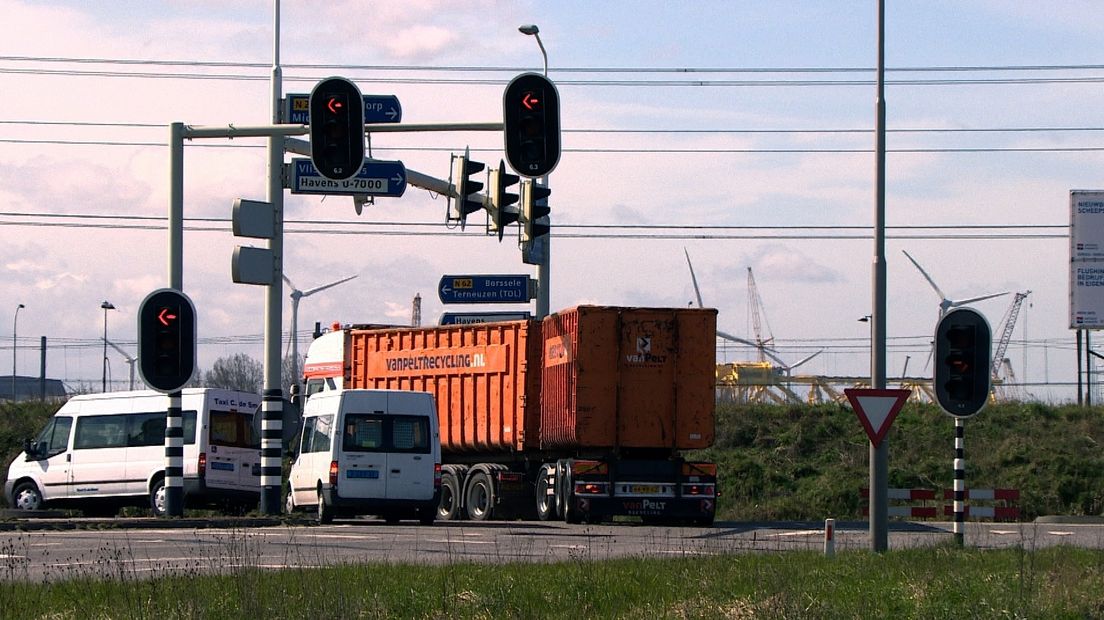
(740, 133)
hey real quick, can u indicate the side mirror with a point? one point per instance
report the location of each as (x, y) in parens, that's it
(31, 449)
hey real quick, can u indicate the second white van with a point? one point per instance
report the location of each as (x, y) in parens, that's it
(368, 452)
(100, 451)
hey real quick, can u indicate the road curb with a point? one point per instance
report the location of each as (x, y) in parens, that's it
(40, 521)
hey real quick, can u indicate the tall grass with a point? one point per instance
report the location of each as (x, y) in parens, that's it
(932, 582)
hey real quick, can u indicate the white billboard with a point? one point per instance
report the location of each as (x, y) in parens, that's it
(1086, 259)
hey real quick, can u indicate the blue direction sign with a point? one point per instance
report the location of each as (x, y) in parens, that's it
(484, 289)
(376, 178)
(471, 318)
(377, 109)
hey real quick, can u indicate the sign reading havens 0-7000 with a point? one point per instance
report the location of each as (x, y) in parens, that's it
(483, 359)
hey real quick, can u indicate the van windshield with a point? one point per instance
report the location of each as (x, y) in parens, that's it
(378, 433)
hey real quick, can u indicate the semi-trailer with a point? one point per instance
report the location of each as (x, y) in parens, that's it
(581, 416)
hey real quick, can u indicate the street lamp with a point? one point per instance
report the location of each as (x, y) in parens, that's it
(544, 262)
(15, 328)
(106, 305)
(531, 29)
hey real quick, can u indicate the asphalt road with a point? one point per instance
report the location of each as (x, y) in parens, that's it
(151, 547)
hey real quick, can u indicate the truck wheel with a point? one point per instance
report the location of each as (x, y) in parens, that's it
(449, 507)
(325, 513)
(546, 493)
(480, 498)
(27, 496)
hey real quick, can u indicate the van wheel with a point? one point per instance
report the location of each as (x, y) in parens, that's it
(27, 496)
(546, 494)
(449, 507)
(325, 513)
(480, 498)
(158, 498)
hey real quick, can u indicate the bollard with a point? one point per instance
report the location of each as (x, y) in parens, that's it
(829, 537)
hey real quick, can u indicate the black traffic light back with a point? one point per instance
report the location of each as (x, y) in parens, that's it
(531, 119)
(534, 207)
(468, 200)
(166, 340)
(337, 128)
(962, 355)
(503, 211)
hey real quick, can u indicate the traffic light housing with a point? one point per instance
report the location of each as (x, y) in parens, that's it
(534, 211)
(502, 212)
(337, 128)
(166, 340)
(531, 120)
(467, 199)
(962, 355)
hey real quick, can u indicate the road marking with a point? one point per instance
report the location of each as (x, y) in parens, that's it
(570, 547)
(453, 541)
(1003, 532)
(4, 556)
(1057, 533)
(801, 533)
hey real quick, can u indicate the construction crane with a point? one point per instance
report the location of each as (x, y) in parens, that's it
(1008, 323)
(757, 313)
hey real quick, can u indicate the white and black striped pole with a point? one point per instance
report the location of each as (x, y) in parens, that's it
(960, 482)
(174, 458)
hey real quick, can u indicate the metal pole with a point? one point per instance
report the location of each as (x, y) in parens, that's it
(879, 456)
(42, 370)
(174, 425)
(272, 414)
(1088, 368)
(1080, 388)
(15, 328)
(960, 482)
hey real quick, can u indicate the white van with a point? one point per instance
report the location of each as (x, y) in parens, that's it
(103, 450)
(372, 452)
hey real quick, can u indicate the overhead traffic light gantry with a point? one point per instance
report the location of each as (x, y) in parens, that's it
(337, 128)
(531, 121)
(963, 341)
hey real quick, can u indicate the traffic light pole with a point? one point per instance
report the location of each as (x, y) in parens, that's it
(174, 426)
(879, 456)
(544, 265)
(272, 401)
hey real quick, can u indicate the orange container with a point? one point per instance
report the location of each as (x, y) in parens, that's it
(629, 378)
(487, 390)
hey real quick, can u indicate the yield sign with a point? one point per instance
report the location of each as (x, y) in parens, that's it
(876, 409)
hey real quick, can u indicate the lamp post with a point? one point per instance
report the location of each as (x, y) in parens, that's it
(106, 305)
(544, 260)
(15, 328)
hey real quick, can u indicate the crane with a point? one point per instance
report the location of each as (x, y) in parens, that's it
(757, 313)
(1008, 323)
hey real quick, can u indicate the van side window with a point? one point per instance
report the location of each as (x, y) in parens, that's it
(101, 431)
(189, 427)
(232, 428)
(145, 429)
(321, 433)
(308, 435)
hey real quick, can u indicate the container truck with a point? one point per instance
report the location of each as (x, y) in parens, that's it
(581, 416)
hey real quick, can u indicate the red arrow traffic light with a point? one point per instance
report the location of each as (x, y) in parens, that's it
(164, 317)
(530, 101)
(334, 104)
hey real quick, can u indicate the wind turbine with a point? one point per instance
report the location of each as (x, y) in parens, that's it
(297, 295)
(945, 303)
(787, 368)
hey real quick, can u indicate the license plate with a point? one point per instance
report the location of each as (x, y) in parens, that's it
(644, 489)
(371, 474)
(222, 466)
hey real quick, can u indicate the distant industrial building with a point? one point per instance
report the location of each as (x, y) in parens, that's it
(31, 388)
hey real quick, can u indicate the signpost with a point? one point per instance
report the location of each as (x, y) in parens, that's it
(377, 109)
(485, 289)
(376, 178)
(471, 318)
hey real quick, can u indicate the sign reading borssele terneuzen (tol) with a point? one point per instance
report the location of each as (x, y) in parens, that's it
(376, 178)
(484, 289)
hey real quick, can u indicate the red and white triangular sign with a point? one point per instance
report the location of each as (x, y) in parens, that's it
(876, 409)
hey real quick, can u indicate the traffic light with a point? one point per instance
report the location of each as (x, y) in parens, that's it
(962, 355)
(502, 213)
(531, 119)
(467, 198)
(337, 128)
(534, 211)
(166, 340)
